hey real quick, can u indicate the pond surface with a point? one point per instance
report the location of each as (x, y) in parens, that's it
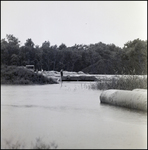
(69, 115)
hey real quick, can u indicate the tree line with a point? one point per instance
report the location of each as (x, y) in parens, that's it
(98, 58)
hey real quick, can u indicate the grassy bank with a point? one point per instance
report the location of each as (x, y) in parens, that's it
(123, 83)
(20, 75)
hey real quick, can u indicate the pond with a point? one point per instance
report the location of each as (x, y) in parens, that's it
(70, 115)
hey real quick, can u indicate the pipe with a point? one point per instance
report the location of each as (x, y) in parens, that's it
(136, 99)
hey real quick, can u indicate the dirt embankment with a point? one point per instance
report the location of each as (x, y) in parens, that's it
(69, 76)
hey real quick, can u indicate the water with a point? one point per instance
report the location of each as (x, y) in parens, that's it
(71, 116)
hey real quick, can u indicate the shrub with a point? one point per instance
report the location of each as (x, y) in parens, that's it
(18, 75)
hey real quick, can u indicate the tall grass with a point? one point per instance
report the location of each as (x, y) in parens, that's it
(124, 82)
(39, 144)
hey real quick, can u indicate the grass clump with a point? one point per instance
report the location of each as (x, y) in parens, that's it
(39, 144)
(124, 82)
(19, 75)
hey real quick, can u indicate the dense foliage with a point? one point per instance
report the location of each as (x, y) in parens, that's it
(19, 75)
(96, 58)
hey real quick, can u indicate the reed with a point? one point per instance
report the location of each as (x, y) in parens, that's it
(39, 144)
(124, 82)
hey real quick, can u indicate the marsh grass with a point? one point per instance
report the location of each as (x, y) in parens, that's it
(39, 144)
(124, 82)
(9, 144)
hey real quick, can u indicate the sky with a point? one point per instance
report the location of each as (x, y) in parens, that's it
(75, 22)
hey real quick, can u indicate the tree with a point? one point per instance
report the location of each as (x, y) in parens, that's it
(14, 59)
(136, 56)
(29, 43)
(46, 44)
(62, 46)
(9, 47)
(13, 41)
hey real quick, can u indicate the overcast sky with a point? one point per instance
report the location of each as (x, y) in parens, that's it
(75, 22)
